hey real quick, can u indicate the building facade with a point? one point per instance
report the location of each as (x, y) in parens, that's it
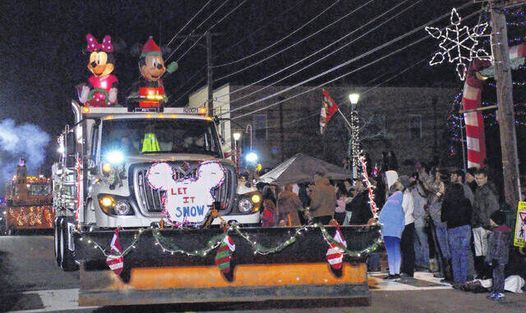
(411, 122)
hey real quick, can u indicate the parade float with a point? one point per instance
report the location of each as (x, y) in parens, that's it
(148, 208)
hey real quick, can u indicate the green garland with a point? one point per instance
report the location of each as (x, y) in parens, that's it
(168, 246)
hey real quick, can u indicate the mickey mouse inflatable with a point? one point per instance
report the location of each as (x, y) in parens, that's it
(150, 91)
(101, 88)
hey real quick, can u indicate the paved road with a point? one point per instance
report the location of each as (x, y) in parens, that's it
(30, 282)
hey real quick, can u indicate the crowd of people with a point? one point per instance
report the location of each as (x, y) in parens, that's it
(446, 222)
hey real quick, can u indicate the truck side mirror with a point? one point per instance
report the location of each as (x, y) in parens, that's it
(71, 149)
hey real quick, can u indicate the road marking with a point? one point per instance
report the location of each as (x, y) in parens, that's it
(56, 300)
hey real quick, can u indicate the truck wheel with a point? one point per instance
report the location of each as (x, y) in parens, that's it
(68, 263)
(56, 239)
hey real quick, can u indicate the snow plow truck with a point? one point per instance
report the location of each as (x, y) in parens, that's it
(148, 210)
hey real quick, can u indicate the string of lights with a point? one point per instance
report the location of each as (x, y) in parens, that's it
(167, 246)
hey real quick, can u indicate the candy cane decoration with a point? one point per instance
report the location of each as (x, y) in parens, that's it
(372, 203)
(471, 100)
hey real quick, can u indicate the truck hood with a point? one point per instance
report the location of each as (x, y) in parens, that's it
(168, 157)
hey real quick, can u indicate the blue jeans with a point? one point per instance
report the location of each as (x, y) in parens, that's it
(421, 248)
(443, 244)
(394, 257)
(459, 244)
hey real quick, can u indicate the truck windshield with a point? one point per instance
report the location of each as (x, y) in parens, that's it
(142, 136)
(39, 189)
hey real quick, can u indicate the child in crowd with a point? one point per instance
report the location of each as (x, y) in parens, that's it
(268, 216)
(498, 253)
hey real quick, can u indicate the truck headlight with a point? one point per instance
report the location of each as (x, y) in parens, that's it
(244, 205)
(122, 208)
(115, 205)
(106, 203)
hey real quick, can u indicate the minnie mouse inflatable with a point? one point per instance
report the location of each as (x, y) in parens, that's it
(101, 88)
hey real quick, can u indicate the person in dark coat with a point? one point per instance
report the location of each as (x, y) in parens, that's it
(456, 213)
(498, 253)
(486, 202)
(359, 206)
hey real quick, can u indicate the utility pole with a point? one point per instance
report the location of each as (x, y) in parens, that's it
(505, 111)
(210, 79)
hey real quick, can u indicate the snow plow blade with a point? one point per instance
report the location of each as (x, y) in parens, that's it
(151, 276)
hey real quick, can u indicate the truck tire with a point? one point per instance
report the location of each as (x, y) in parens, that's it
(56, 239)
(68, 263)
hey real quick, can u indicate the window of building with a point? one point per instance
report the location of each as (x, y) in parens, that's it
(259, 122)
(415, 126)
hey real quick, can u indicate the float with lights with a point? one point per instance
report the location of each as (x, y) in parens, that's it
(27, 203)
(149, 209)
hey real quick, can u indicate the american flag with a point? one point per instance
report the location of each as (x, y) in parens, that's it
(335, 253)
(115, 260)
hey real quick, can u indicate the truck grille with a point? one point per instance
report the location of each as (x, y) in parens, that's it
(149, 199)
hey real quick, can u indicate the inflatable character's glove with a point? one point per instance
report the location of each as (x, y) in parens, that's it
(113, 95)
(172, 67)
(82, 92)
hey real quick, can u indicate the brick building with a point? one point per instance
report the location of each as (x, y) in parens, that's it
(409, 121)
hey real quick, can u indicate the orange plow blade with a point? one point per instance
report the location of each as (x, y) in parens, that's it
(248, 282)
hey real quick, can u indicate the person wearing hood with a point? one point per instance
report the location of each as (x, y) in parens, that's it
(393, 223)
(407, 241)
(289, 204)
(323, 200)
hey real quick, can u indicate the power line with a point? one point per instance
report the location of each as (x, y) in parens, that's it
(188, 23)
(189, 90)
(260, 28)
(337, 67)
(245, 38)
(193, 31)
(334, 79)
(280, 40)
(323, 49)
(209, 29)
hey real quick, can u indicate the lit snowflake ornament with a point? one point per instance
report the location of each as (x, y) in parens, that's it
(459, 43)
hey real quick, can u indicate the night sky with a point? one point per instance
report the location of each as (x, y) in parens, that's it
(42, 44)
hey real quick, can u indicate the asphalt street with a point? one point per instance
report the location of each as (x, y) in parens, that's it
(31, 282)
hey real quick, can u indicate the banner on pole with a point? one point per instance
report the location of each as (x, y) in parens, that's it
(519, 239)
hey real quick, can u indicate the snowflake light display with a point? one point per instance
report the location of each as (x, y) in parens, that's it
(463, 43)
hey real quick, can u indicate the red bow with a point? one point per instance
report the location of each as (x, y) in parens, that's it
(94, 45)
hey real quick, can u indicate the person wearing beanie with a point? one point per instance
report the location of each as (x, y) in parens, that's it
(498, 253)
(392, 221)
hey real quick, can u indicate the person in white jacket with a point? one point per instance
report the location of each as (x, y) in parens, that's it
(408, 235)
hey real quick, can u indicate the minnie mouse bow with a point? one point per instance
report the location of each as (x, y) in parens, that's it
(94, 45)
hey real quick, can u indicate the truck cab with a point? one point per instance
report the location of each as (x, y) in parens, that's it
(100, 181)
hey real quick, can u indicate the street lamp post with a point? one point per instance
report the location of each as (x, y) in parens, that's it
(249, 131)
(237, 153)
(354, 143)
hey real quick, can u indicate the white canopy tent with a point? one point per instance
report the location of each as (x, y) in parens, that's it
(301, 169)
